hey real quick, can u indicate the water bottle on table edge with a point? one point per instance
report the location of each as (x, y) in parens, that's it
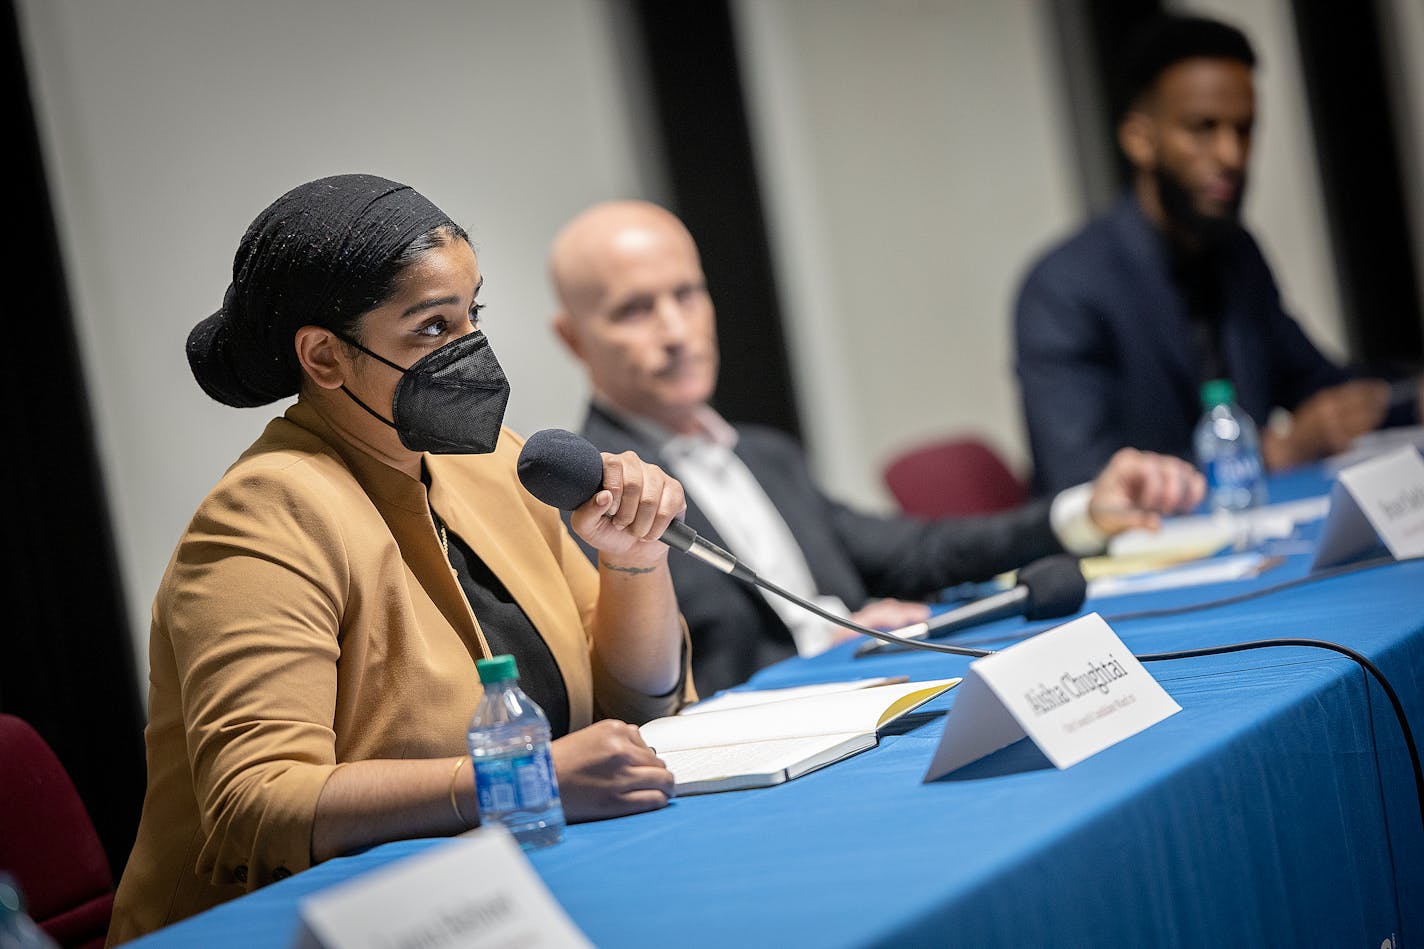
(509, 748)
(1228, 450)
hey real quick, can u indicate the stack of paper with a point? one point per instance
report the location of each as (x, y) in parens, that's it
(1214, 570)
(1201, 535)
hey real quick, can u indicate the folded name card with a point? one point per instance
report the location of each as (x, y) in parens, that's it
(478, 891)
(1074, 690)
(1377, 500)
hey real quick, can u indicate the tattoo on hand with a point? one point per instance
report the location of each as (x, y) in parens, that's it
(633, 570)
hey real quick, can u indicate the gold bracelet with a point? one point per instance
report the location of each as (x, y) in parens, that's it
(454, 802)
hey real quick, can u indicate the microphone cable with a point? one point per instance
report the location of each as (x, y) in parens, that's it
(1411, 746)
(849, 623)
(1326, 574)
(1165, 611)
(1364, 663)
(747, 574)
(1398, 706)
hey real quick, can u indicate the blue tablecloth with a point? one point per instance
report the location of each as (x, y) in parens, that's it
(1278, 808)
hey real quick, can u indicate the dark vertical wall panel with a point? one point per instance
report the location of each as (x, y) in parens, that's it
(692, 67)
(1364, 192)
(1090, 35)
(66, 661)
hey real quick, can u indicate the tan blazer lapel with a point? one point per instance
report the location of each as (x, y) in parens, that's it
(403, 504)
(529, 572)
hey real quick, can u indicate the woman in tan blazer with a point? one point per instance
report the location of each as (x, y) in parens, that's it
(314, 637)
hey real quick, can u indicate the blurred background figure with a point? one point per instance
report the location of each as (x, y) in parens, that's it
(1117, 329)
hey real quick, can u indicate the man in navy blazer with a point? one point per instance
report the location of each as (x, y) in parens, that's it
(1117, 328)
(636, 312)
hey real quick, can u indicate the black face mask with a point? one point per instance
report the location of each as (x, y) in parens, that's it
(451, 401)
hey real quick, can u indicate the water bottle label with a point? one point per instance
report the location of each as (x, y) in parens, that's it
(1233, 471)
(518, 782)
(494, 784)
(535, 775)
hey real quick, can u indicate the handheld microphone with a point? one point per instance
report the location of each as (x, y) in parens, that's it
(564, 470)
(1046, 589)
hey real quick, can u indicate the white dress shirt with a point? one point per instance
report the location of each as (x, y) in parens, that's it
(727, 492)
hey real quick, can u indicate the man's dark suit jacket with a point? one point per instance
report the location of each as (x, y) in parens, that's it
(1105, 351)
(852, 555)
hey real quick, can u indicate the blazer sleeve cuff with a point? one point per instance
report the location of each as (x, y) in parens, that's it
(272, 838)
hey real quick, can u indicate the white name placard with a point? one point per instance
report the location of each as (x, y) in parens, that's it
(1074, 690)
(1377, 500)
(478, 891)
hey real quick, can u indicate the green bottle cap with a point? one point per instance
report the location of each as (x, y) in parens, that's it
(496, 669)
(1217, 392)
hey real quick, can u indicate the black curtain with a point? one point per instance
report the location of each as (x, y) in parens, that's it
(690, 53)
(67, 665)
(1111, 24)
(1358, 150)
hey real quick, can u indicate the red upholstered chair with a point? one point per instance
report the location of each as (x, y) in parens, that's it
(953, 477)
(48, 843)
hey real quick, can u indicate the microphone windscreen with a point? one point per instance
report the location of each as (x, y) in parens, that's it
(560, 468)
(1055, 587)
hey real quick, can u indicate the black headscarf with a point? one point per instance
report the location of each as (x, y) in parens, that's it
(319, 255)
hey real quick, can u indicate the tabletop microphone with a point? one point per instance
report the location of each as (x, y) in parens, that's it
(1046, 589)
(564, 470)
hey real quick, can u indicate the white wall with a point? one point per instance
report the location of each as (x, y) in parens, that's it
(915, 157)
(169, 124)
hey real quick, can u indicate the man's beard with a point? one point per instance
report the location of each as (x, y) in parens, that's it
(1184, 221)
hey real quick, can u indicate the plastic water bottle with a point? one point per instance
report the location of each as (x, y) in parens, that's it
(17, 930)
(1228, 450)
(509, 747)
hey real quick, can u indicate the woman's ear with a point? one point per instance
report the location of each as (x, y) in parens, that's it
(319, 352)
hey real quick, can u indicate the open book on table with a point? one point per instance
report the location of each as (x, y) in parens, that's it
(741, 698)
(761, 745)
